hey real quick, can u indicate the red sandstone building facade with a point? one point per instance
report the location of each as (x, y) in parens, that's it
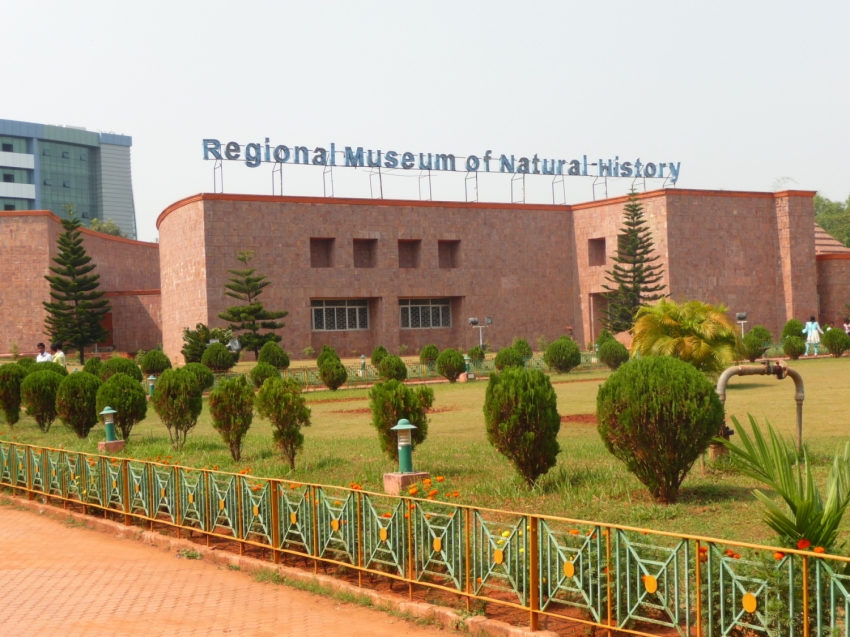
(356, 273)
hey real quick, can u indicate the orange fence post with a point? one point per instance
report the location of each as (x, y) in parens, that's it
(534, 571)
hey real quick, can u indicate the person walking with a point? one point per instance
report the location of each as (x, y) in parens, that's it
(58, 354)
(812, 331)
(847, 326)
(42, 357)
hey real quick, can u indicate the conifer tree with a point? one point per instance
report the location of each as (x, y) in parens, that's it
(635, 277)
(251, 316)
(75, 313)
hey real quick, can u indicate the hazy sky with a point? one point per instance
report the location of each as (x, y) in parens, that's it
(741, 93)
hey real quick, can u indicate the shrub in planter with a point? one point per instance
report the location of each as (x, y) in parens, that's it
(232, 410)
(836, 341)
(390, 402)
(154, 363)
(125, 396)
(604, 337)
(119, 365)
(11, 377)
(508, 357)
(272, 354)
(177, 401)
(794, 347)
(47, 366)
(450, 364)
(76, 402)
(476, 354)
(521, 346)
(262, 371)
(333, 374)
(202, 373)
(562, 355)
(93, 366)
(218, 358)
(657, 415)
(392, 367)
(792, 328)
(38, 393)
(282, 403)
(429, 354)
(613, 353)
(378, 355)
(327, 353)
(521, 415)
(25, 362)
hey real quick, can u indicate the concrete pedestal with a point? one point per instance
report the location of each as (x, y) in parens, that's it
(398, 483)
(111, 447)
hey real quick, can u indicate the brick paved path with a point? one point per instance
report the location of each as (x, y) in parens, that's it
(60, 580)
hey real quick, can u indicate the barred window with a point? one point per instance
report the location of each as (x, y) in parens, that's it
(423, 314)
(343, 314)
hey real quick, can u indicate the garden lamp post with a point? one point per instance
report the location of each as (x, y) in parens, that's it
(151, 384)
(467, 360)
(108, 414)
(363, 365)
(405, 445)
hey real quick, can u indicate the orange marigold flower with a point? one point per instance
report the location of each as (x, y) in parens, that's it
(737, 556)
(413, 491)
(337, 503)
(427, 517)
(703, 549)
(242, 473)
(256, 487)
(406, 516)
(779, 555)
(412, 506)
(478, 580)
(433, 492)
(387, 515)
(729, 552)
(574, 531)
(215, 468)
(456, 494)
(440, 478)
(803, 544)
(819, 549)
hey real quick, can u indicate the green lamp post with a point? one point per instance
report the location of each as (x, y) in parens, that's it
(363, 365)
(405, 445)
(151, 384)
(108, 414)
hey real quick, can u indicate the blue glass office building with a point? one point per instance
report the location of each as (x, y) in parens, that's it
(45, 167)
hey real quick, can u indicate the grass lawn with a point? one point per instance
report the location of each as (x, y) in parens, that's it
(341, 447)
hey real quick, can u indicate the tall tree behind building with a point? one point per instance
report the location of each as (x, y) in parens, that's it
(75, 313)
(635, 278)
(250, 317)
(834, 217)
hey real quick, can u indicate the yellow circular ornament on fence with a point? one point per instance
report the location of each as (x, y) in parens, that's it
(498, 556)
(749, 603)
(383, 534)
(650, 583)
(437, 544)
(293, 517)
(335, 525)
(569, 569)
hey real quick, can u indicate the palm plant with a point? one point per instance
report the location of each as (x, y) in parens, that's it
(695, 332)
(811, 520)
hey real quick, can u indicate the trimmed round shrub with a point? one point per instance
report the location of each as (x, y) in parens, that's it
(262, 371)
(508, 357)
(232, 410)
(752, 347)
(562, 355)
(327, 353)
(450, 365)
(93, 366)
(794, 347)
(218, 358)
(202, 373)
(476, 354)
(792, 328)
(763, 333)
(11, 377)
(378, 355)
(154, 363)
(25, 362)
(521, 415)
(46, 366)
(613, 353)
(390, 402)
(38, 393)
(604, 337)
(429, 354)
(836, 341)
(392, 367)
(272, 354)
(76, 402)
(657, 415)
(333, 374)
(283, 404)
(119, 365)
(521, 346)
(177, 401)
(125, 396)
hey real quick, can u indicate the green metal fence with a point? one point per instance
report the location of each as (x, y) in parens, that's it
(607, 576)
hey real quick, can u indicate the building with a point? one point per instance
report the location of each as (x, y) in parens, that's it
(46, 167)
(356, 273)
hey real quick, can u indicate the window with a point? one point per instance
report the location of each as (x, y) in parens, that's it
(365, 253)
(84, 214)
(45, 152)
(408, 253)
(48, 182)
(66, 154)
(8, 179)
(8, 206)
(425, 313)
(344, 314)
(448, 253)
(7, 148)
(321, 253)
(596, 251)
(84, 156)
(66, 184)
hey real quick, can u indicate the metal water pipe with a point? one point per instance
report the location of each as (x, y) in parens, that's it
(780, 370)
